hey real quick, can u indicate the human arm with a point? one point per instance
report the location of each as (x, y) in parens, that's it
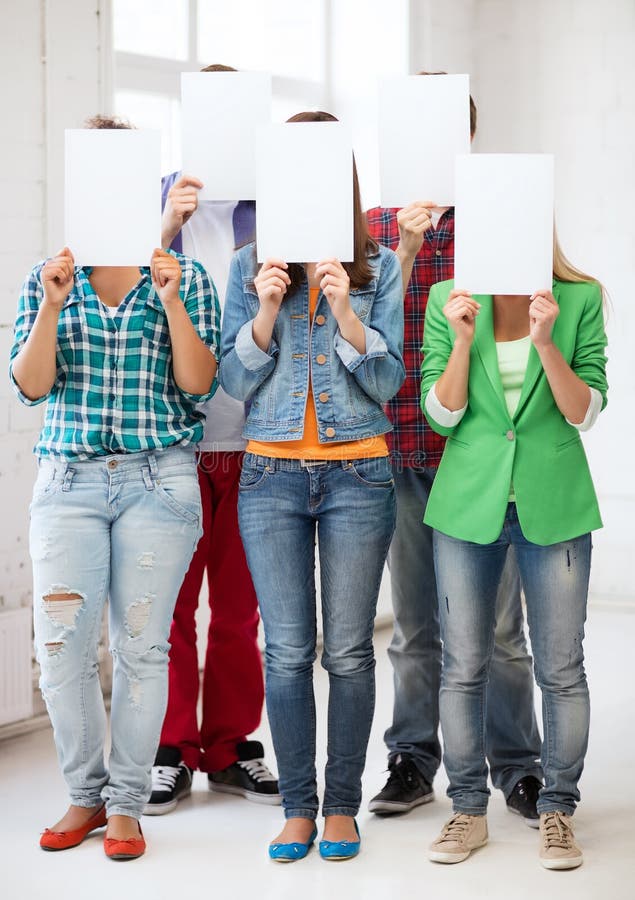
(34, 355)
(439, 340)
(379, 369)
(413, 221)
(193, 360)
(579, 389)
(181, 202)
(244, 365)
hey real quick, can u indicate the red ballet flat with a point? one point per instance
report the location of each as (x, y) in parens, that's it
(64, 840)
(132, 848)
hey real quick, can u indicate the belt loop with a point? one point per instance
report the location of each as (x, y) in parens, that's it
(69, 474)
(154, 466)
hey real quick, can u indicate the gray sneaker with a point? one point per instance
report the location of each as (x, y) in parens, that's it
(558, 849)
(459, 836)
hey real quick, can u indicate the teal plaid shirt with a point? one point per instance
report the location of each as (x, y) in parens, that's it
(115, 390)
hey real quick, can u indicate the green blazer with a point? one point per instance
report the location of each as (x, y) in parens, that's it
(536, 448)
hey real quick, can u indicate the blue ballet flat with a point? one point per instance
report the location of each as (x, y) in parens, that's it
(291, 852)
(340, 849)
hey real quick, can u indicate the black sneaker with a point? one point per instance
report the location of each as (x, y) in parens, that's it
(406, 788)
(171, 782)
(248, 776)
(523, 799)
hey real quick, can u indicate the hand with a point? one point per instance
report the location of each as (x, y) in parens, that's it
(271, 284)
(57, 277)
(335, 285)
(413, 221)
(461, 311)
(543, 312)
(181, 202)
(166, 276)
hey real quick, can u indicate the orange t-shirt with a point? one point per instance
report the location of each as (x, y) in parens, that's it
(309, 446)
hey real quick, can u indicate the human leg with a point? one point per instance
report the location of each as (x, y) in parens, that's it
(70, 550)
(512, 735)
(155, 504)
(555, 581)
(233, 684)
(356, 510)
(415, 649)
(278, 532)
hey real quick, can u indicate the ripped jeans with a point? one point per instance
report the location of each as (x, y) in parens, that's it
(122, 526)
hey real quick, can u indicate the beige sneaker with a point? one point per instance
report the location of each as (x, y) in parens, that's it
(558, 850)
(459, 836)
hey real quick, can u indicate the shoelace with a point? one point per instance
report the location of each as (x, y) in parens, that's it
(401, 772)
(164, 777)
(256, 769)
(455, 829)
(557, 832)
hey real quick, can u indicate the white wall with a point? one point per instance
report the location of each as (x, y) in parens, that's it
(53, 76)
(557, 76)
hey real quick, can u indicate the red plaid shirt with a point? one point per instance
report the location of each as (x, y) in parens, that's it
(413, 443)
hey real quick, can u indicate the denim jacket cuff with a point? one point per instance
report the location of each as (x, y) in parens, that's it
(375, 347)
(248, 351)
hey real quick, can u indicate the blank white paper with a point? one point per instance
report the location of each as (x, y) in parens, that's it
(304, 197)
(504, 223)
(112, 196)
(424, 122)
(220, 115)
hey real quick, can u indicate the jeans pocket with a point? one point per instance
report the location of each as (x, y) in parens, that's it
(373, 472)
(252, 474)
(181, 494)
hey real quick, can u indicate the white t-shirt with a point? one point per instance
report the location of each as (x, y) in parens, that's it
(209, 237)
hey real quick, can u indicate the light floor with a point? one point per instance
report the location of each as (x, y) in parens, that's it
(214, 846)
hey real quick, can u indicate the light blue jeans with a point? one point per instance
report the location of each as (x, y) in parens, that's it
(122, 526)
(555, 580)
(350, 506)
(512, 739)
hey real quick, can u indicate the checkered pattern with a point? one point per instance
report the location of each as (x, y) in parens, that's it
(413, 443)
(115, 391)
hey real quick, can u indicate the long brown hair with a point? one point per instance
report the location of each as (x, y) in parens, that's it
(359, 271)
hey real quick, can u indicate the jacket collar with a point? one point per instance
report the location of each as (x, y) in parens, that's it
(486, 349)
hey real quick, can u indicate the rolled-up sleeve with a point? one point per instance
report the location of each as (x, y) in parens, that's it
(29, 303)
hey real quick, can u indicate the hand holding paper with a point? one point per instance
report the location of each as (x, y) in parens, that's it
(166, 276)
(543, 312)
(181, 203)
(57, 277)
(413, 221)
(271, 284)
(461, 311)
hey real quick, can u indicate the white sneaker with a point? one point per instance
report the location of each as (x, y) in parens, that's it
(558, 849)
(459, 836)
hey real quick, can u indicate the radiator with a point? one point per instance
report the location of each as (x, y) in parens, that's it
(16, 672)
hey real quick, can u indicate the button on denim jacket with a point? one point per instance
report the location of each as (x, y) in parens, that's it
(277, 382)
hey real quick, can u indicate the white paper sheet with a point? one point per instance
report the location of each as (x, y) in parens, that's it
(220, 115)
(504, 223)
(304, 198)
(112, 196)
(424, 122)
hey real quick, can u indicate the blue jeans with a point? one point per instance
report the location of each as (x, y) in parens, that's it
(555, 581)
(282, 504)
(512, 739)
(124, 526)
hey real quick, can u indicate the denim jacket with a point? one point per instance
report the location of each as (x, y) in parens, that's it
(351, 386)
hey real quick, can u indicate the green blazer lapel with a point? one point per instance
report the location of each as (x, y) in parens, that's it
(534, 367)
(486, 346)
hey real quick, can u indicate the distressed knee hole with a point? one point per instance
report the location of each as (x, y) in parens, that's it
(134, 692)
(137, 615)
(62, 605)
(54, 648)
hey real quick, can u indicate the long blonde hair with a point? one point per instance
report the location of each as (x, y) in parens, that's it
(564, 270)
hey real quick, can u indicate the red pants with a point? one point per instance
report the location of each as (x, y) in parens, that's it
(233, 689)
